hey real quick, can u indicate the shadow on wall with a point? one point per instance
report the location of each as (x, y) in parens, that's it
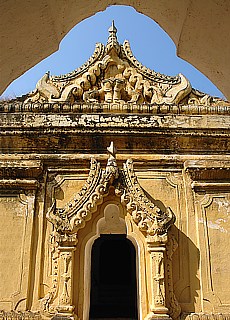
(182, 265)
(184, 257)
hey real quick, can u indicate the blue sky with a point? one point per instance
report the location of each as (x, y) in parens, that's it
(149, 43)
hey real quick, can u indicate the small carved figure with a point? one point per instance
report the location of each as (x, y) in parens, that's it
(107, 90)
(91, 96)
(118, 91)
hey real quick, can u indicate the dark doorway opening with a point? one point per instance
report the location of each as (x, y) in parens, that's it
(113, 278)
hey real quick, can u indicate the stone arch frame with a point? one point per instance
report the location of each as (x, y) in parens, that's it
(150, 221)
(137, 243)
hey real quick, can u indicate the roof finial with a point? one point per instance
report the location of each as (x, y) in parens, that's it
(112, 39)
(112, 149)
(111, 171)
(113, 29)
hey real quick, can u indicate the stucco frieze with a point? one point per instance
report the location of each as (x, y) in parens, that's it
(100, 121)
(146, 108)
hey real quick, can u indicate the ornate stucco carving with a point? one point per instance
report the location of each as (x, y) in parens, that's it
(18, 315)
(205, 316)
(174, 307)
(148, 216)
(113, 75)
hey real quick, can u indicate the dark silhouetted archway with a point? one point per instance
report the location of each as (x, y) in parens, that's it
(113, 278)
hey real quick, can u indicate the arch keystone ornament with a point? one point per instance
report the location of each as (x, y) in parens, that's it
(151, 221)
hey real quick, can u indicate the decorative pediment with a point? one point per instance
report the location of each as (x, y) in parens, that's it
(124, 184)
(121, 186)
(113, 75)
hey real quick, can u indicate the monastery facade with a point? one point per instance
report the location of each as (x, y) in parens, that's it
(115, 196)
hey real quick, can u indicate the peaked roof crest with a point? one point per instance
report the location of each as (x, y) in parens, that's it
(113, 75)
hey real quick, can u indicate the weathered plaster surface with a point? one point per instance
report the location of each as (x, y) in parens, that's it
(165, 184)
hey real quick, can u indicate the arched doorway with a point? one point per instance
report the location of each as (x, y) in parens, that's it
(113, 278)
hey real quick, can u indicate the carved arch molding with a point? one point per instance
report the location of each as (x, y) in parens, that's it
(151, 221)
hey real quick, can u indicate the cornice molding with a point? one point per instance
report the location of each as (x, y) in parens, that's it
(11, 169)
(59, 107)
(207, 174)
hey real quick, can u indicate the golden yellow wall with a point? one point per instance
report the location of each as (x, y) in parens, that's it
(198, 195)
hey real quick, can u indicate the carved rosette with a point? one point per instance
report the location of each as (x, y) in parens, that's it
(149, 218)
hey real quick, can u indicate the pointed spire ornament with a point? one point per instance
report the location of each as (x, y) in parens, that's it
(113, 29)
(112, 39)
(111, 171)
